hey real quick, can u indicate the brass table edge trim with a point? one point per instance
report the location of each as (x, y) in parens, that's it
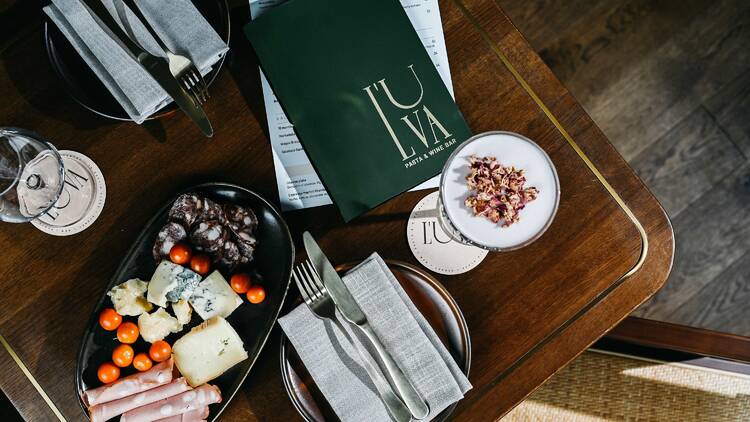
(27, 373)
(612, 192)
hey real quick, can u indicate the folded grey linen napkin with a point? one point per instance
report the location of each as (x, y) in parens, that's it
(336, 366)
(181, 26)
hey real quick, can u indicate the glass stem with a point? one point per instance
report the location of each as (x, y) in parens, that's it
(34, 182)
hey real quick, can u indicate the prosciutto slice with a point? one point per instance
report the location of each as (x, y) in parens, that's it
(105, 411)
(176, 405)
(137, 383)
(191, 416)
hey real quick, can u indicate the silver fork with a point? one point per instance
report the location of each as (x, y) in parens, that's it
(181, 67)
(322, 306)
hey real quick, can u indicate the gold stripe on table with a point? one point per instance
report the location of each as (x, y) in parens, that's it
(31, 378)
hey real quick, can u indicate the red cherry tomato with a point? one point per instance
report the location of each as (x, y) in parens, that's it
(256, 294)
(128, 333)
(109, 319)
(142, 362)
(160, 351)
(241, 282)
(122, 356)
(180, 253)
(108, 373)
(201, 264)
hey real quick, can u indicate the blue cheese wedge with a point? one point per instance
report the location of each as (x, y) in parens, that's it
(129, 298)
(171, 283)
(208, 351)
(214, 297)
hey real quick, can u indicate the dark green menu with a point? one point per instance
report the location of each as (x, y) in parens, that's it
(363, 95)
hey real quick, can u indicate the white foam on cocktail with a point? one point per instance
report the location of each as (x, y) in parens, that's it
(509, 150)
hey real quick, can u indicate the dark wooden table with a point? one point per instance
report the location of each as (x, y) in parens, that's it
(529, 312)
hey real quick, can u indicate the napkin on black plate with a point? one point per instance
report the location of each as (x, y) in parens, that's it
(334, 363)
(182, 27)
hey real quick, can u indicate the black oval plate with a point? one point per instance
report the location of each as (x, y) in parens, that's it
(273, 262)
(85, 87)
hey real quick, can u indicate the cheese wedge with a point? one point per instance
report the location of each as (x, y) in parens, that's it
(128, 297)
(214, 297)
(171, 283)
(182, 311)
(208, 351)
(157, 325)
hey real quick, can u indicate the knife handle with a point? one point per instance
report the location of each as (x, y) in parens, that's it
(396, 408)
(413, 400)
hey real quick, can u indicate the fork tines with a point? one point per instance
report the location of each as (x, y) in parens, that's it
(194, 83)
(308, 282)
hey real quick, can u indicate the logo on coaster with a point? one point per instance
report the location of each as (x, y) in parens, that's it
(432, 246)
(81, 200)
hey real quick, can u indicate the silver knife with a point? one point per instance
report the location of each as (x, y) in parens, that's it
(157, 67)
(353, 313)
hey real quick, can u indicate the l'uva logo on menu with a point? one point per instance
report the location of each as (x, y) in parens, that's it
(428, 135)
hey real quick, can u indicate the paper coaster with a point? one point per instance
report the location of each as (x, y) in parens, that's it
(432, 247)
(81, 200)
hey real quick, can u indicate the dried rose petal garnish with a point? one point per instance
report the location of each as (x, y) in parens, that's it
(499, 191)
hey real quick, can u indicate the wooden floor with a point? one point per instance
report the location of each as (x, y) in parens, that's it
(669, 82)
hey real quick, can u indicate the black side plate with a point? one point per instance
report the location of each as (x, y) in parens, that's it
(86, 88)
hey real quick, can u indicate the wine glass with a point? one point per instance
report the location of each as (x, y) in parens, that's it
(510, 149)
(31, 175)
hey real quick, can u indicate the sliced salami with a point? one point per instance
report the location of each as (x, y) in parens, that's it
(170, 234)
(209, 236)
(228, 257)
(212, 211)
(240, 219)
(209, 225)
(187, 209)
(247, 244)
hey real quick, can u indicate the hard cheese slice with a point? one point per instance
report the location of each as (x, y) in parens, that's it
(157, 325)
(214, 297)
(171, 283)
(182, 311)
(208, 351)
(128, 297)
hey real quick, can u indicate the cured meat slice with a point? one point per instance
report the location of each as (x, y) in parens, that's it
(246, 243)
(170, 234)
(242, 222)
(240, 219)
(187, 208)
(212, 211)
(137, 383)
(229, 256)
(176, 405)
(105, 411)
(191, 416)
(209, 236)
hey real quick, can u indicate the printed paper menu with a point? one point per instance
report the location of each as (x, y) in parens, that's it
(298, 184)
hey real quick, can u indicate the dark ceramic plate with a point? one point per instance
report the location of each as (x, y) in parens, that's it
(432, 300)
(273, 263)
(86, 88)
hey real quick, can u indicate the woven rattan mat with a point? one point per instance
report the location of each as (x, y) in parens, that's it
(605, 387)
